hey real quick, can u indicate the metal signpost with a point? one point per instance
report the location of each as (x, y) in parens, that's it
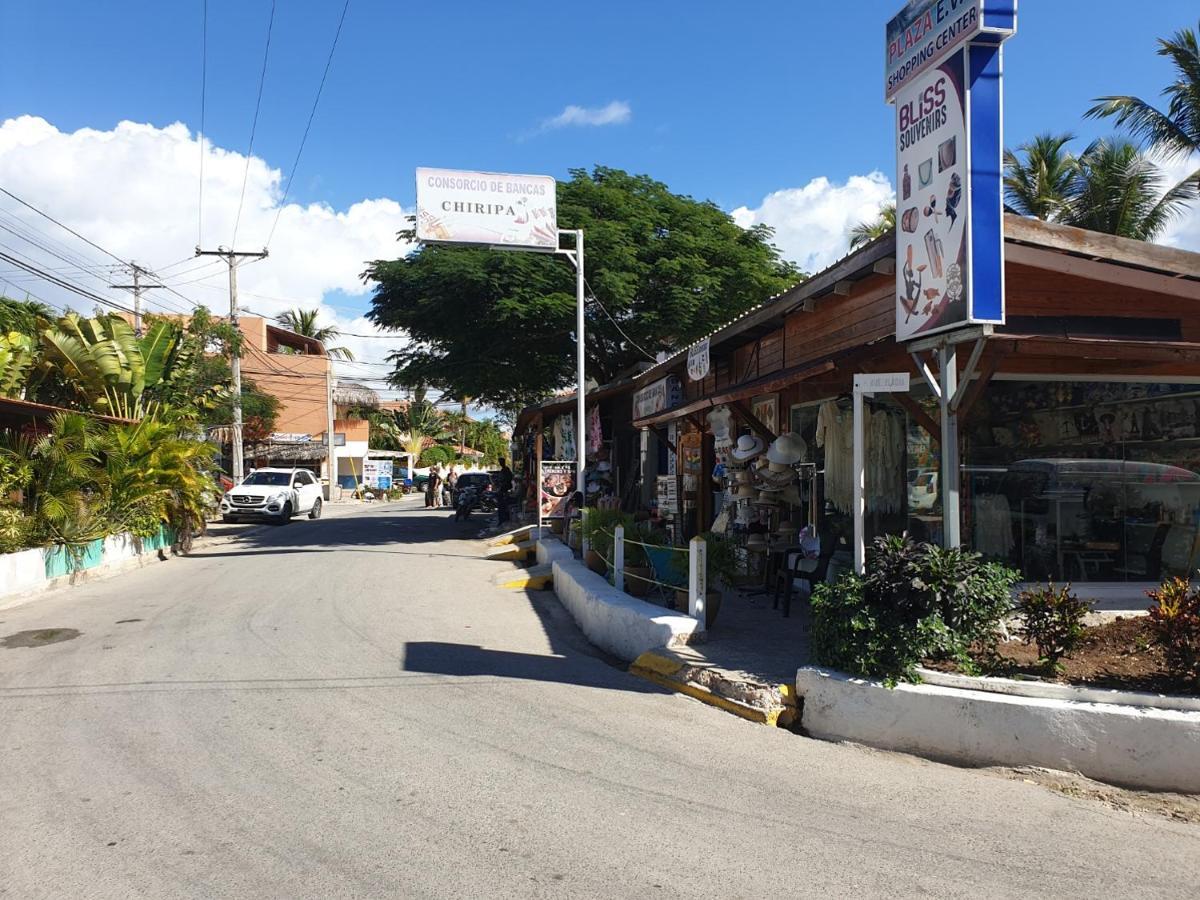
(507, 212)
(943, 73)
(867, 386)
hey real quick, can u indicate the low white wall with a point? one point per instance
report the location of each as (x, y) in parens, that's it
(612, 620)
(1140, 747)
(22, 572)
(549, 551)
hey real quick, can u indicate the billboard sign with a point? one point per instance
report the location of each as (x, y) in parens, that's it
(949, 208)
(460, 207)
(377, 473)
(656, 397)
(925, 32)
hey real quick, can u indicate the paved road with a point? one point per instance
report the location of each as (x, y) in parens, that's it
(348, 708)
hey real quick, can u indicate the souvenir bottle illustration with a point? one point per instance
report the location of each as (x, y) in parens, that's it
(953, 198)
(912, 285)
(933, 247)
(906, 183)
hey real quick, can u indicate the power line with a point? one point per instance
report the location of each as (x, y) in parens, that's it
(62, 226)
(632, 342)
(311, 114)
(262, 78)
(200, 136)
(65, 285)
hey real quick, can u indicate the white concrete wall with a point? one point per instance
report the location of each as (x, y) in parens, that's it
(612, 620)
(22, 572)
(23, 575)
(550, 550)
(1134, 746)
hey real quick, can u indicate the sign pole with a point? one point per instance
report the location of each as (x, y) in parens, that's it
(949, 476)
(581, 400)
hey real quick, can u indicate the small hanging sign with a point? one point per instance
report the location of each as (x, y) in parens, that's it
(698, 360)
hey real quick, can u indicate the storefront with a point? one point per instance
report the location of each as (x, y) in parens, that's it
(1079, 419)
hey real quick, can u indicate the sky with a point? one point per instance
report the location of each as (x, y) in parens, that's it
(773, 111)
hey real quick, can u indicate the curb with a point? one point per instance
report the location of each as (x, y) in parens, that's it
(763, 704)
(536, 578)
(518, 552)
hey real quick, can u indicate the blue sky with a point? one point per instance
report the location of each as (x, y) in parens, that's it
(726, 106)
(772, 110)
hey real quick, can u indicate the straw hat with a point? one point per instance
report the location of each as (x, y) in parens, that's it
(787, 449)
(748, 447)
(791, 495)
(743, 476)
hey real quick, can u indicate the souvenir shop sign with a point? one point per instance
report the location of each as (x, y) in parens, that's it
(698, 360)
(949, 228)
(486, 208)
(654, 398)
(882, 383)
(556, 484)
(926, 31)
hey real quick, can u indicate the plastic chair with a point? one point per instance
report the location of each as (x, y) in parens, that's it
(791, 572)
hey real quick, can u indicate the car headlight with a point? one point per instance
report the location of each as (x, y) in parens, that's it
(279, 497)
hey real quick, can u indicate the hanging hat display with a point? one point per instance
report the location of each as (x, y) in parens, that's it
(748, 447)
(787, 449)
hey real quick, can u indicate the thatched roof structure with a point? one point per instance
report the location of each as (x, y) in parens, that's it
(350, 393)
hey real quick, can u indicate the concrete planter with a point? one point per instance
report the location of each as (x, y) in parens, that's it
(1129, 744)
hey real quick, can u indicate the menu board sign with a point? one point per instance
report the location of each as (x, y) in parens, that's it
(556, 484)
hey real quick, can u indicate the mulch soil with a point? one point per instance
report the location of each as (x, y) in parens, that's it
(1120, 654)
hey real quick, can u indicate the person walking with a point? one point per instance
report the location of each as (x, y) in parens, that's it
(504, 483)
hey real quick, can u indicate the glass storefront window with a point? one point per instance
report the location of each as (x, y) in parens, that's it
(1084, 481)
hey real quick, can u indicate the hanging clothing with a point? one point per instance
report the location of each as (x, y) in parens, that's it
(835, 432)
(564, 437)
(993, 526)
(595, 431)
(884, 461)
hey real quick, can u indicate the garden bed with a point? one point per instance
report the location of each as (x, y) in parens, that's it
(1119, 655)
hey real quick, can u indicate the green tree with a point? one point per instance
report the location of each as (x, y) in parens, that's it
(865, 232)
(1117, 190)
(304, 322)
(1174, 131)
(1038, 177)
(498, 326)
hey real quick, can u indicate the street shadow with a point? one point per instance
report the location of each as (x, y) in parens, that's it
(441, 658)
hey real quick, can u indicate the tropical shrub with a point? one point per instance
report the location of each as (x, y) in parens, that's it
(915, 601)
(1052, 618)
(1175, 619)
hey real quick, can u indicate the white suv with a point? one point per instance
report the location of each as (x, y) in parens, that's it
(275, 494)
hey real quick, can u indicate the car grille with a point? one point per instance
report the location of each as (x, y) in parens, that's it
(246, 500)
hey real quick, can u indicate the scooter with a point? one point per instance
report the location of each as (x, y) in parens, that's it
(466, 501)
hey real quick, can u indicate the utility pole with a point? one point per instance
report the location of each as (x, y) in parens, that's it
(231, 258)
(137, 287)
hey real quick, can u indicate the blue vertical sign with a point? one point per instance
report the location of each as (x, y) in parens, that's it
(943, 73)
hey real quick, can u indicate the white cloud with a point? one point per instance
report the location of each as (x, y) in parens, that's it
(811, 222)
(134, 191)
(618, 112)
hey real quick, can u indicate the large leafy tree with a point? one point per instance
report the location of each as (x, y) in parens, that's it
(1174, 131)
(499, 326)
(304, 322)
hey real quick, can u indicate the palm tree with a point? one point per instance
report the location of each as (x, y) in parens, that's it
(1176, 131)
(865, 232)
(1117, 190)
(304, 323)
(1038, 176)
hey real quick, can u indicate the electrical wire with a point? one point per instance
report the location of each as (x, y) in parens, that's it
(311, 114)
(632, 342)
(262, 78)
(200, 136)
(65, 285)
(62, 226)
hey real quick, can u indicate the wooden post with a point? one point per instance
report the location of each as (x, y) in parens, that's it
(698, 582)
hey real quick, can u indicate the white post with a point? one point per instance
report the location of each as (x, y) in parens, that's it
(581, 399)
(537, 495)
(619, 558)
(698, 582)
(584, 543)
(860, 550)
(948, 476)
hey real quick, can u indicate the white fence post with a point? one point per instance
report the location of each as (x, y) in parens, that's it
(619, 558)
(583, 541)
(698, 581)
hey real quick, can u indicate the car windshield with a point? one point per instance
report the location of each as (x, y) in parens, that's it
(476, 480)
(274, 479)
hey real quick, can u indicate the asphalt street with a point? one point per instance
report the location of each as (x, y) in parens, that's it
(349, 708)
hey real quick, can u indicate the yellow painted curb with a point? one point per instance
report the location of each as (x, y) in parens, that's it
(512, 537)
(523, 580)
(519, 551)
(658, 669)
